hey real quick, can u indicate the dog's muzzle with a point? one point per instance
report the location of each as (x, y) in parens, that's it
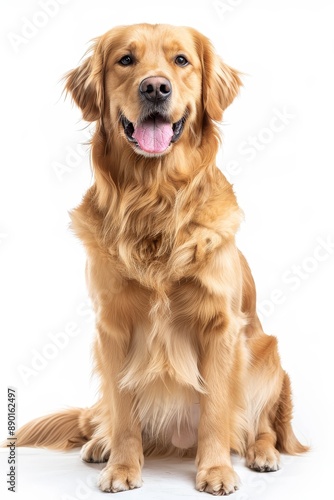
(154, 131)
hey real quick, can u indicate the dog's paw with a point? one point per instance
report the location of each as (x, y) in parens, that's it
(115, 478)
(207, 242)
(195, 245)
(95, 451)
(263, 457)
(220, 480)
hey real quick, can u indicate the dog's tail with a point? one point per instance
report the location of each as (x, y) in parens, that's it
(59, 431)
(286, 439)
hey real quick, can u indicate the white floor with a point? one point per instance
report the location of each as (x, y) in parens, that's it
(46, 475)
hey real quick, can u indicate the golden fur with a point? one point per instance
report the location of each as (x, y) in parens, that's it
(183, 360)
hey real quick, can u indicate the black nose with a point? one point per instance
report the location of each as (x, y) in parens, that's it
(155, 88)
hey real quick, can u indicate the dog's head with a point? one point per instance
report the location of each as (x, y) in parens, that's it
(153, 85)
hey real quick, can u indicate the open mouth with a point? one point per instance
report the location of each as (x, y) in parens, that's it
(154, 134)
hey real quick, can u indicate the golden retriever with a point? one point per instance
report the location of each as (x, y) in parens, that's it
(183, 361)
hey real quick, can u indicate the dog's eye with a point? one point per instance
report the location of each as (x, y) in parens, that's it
(126, 61)
(181, 61)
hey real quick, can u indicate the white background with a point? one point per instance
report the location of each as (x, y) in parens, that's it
(284, 184)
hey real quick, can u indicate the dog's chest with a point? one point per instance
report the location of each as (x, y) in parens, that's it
(143, 246)
(161, 370)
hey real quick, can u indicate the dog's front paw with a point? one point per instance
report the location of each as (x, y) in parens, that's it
(263, 457)
(118, 477)
(195, 245)
(220, 480)
(207, 242)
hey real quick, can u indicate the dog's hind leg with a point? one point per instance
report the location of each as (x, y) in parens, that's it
(96, 450)
(262, 455)
(269, 407)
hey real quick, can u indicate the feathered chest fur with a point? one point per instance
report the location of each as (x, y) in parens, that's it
(144, 235)
(148, 231)
(160, 234)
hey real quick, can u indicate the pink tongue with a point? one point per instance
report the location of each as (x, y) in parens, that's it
(153, 135)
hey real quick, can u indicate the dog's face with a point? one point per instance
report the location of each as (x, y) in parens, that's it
(153, 85)
(154, 76)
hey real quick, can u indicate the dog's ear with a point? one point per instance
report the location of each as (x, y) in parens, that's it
(221, 83)
(85, 84)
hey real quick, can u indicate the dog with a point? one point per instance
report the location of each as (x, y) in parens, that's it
(184, 364)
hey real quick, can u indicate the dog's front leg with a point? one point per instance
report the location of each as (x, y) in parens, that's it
(215, 473)
(221, 325)
(118, 424)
